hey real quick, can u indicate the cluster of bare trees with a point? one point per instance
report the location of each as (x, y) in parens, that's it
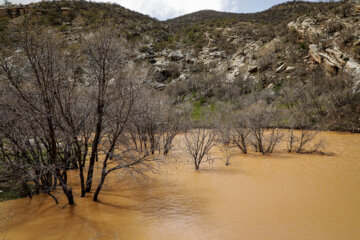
(63, 110)
(256, 126)
(259, 126)
(156, 124)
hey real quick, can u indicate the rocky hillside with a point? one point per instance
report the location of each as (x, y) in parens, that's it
(208, 57)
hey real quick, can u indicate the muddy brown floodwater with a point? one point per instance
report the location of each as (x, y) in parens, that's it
(282, 196)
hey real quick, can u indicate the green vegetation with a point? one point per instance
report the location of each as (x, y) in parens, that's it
(194, 36)
(92, 16)
(303, 45)
(11, 190)
(49, 13)
(201, 110)
(4, 21)
(11, 193)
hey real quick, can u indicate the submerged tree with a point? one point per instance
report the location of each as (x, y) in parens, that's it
(61, 104)
(263, 123)
(240, 131)
(105, 57)
(35, 81)
(224, 130)
(119, 151)
(198, 143)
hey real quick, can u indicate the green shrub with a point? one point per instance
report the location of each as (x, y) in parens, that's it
(159, 46)
(202, 100)
(92, 16)
(4, 21)
(62, 28)
(303, 45)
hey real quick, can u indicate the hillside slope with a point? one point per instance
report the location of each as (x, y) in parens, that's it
(209, 57)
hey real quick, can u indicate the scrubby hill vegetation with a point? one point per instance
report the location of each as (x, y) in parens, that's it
(278, 14)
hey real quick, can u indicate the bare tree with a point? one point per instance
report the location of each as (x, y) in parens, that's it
(305, 138)
(224, 130)
(171, 128)
(298, 118)
(120, 153)
(240, 131)
(75, 121)
(172, 123)
(156, 122)
(224, 138)
(263, 121)
(307, 135)
(105, 55)
(198, 144)
(146, 125)
(32, 79)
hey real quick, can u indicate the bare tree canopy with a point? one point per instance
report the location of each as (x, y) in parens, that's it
(198, 144)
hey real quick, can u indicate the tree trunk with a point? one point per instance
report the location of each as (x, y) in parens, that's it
(37, 187)
(82, 180)
(291, 141)
(244, 145)
(54, 183)
(94, 150)
(66, 190)
(69, 195)
(98, 189)
(80, 156)
(93, 158)
(27, 190)
(197, 165)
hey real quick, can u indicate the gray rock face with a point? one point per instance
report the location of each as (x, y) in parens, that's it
(353, 68)
(330, 59)
(328, 54)
(271, 57)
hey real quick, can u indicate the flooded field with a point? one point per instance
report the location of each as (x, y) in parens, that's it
(281, 196)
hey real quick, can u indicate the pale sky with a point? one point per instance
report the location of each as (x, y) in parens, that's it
(165, 9)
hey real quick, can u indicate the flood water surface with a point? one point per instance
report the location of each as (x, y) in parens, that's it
(282, 196)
